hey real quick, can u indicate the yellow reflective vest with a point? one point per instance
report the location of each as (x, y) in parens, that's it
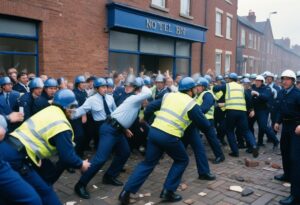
(36, 132)
(172, 117)
(210, 114)
(235, 97)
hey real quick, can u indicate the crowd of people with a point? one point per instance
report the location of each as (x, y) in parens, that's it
(42, 117)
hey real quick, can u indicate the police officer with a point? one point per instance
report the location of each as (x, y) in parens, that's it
(8, 99)
(219, 114)
(27, 100)
(62, 83)
(206, 100)
(289, 116)
(160, 89)
(77, 124)
(100, 105)
(177, 111)
(110, 86)
(112, 137)
(261, 94)
(236, 114)
(50, 88)
(123, 92)
(41, 136)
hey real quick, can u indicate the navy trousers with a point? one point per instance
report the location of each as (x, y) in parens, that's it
(14, 189)
(110, 140)
(238, 119)
(295, 164)
(16, 160)
(213, 140)
(192, 137)
(158, 143)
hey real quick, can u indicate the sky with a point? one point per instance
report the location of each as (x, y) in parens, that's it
(286, 23)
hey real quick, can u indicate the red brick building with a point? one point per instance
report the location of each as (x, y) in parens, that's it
(67, 38)
(258, 51)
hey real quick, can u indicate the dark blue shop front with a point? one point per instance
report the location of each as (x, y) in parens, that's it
(149, 42)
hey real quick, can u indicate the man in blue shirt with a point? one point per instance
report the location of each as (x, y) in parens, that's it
(112, 138)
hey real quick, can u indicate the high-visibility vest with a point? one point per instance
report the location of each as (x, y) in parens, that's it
(172, 117)
(218, 96)
(37, 130)
(235, 97)
(210, 113)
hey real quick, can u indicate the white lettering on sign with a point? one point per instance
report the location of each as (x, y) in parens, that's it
(152, 24)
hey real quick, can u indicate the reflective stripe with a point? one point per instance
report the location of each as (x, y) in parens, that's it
(32, 145)
(235, 103)
(31, 127)
(170, 122)
(53, 124)
(236, 98)
(188, 107)
(175, 115)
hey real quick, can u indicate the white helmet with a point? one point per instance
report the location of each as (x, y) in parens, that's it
(260, 77)
(289, 73)
(298, 73)
(269, 74)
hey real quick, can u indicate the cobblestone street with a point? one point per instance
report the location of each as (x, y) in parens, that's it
(231, 172)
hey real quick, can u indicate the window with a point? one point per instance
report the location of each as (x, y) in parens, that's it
(182, 66)
(160, 3)
(228, 27)
(227, 62)
(250, 43)
(185, 7)
(258, 43)
(218, 62)
(218, 23)
(254, 42)
(157, 45)
(183, 48)
(243, 37)
(123, 41)
(18, 45)
(120, 62)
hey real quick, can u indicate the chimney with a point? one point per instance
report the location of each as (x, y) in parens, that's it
(251, 16)
(286, 42)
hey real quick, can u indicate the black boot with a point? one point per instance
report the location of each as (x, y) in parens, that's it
(124, 197)
(290, 200)
(255, 152)
(234, 154)
(207, 176)
(218, 160)
(81, 191)
(169, 196)
(281, 177)
(111, 180)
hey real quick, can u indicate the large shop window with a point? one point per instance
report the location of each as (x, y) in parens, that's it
(18, 45)
(148, 53)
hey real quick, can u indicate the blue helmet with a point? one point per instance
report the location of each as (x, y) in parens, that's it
(219, 77)
(50, 82)
(129, 80)
(160, 78)
(186, 83)
(233, 76)
(247, 75)
(99, 82)
(208, 78)
(253, 76)
(139, 82)
(65, 98)
(147, 80)
(5, 80)
(36, 83)
(110, 82)
(202, 82)
(80, 79)
(245, 81)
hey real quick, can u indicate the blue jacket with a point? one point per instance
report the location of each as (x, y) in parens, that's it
(120, 95)
(18, 87)
(41, 102)
(27, 102)
(77, 125)
(13, 102)
(262, 101)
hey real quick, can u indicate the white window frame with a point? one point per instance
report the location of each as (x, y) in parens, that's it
(219, 64)
(227, 64)
(229, 27)
(229, 1)
(254, 41)
(186, 12)
(162, 4)
(250, 40)
(217, 24)
(243, 37)
(258, 42)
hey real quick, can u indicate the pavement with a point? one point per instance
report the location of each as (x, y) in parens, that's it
(232, 171)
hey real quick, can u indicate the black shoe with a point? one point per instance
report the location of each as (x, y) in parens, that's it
(81, 191)
(169, 196)
(242, 146)
(71, 170)
(223, 142)
(233, 154)
(290, 200)
(111, 180)
(249, 150)
(124, 197)
(281, 177)
(255, 152)
(218, 160)
(260, 144)
(208, 176)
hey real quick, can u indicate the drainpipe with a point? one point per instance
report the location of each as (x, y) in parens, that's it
(202, 44)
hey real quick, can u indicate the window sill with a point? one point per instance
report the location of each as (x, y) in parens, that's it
(186, 16)
(159, 8)
(229, 39)
(219, 35)
(229, 1)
